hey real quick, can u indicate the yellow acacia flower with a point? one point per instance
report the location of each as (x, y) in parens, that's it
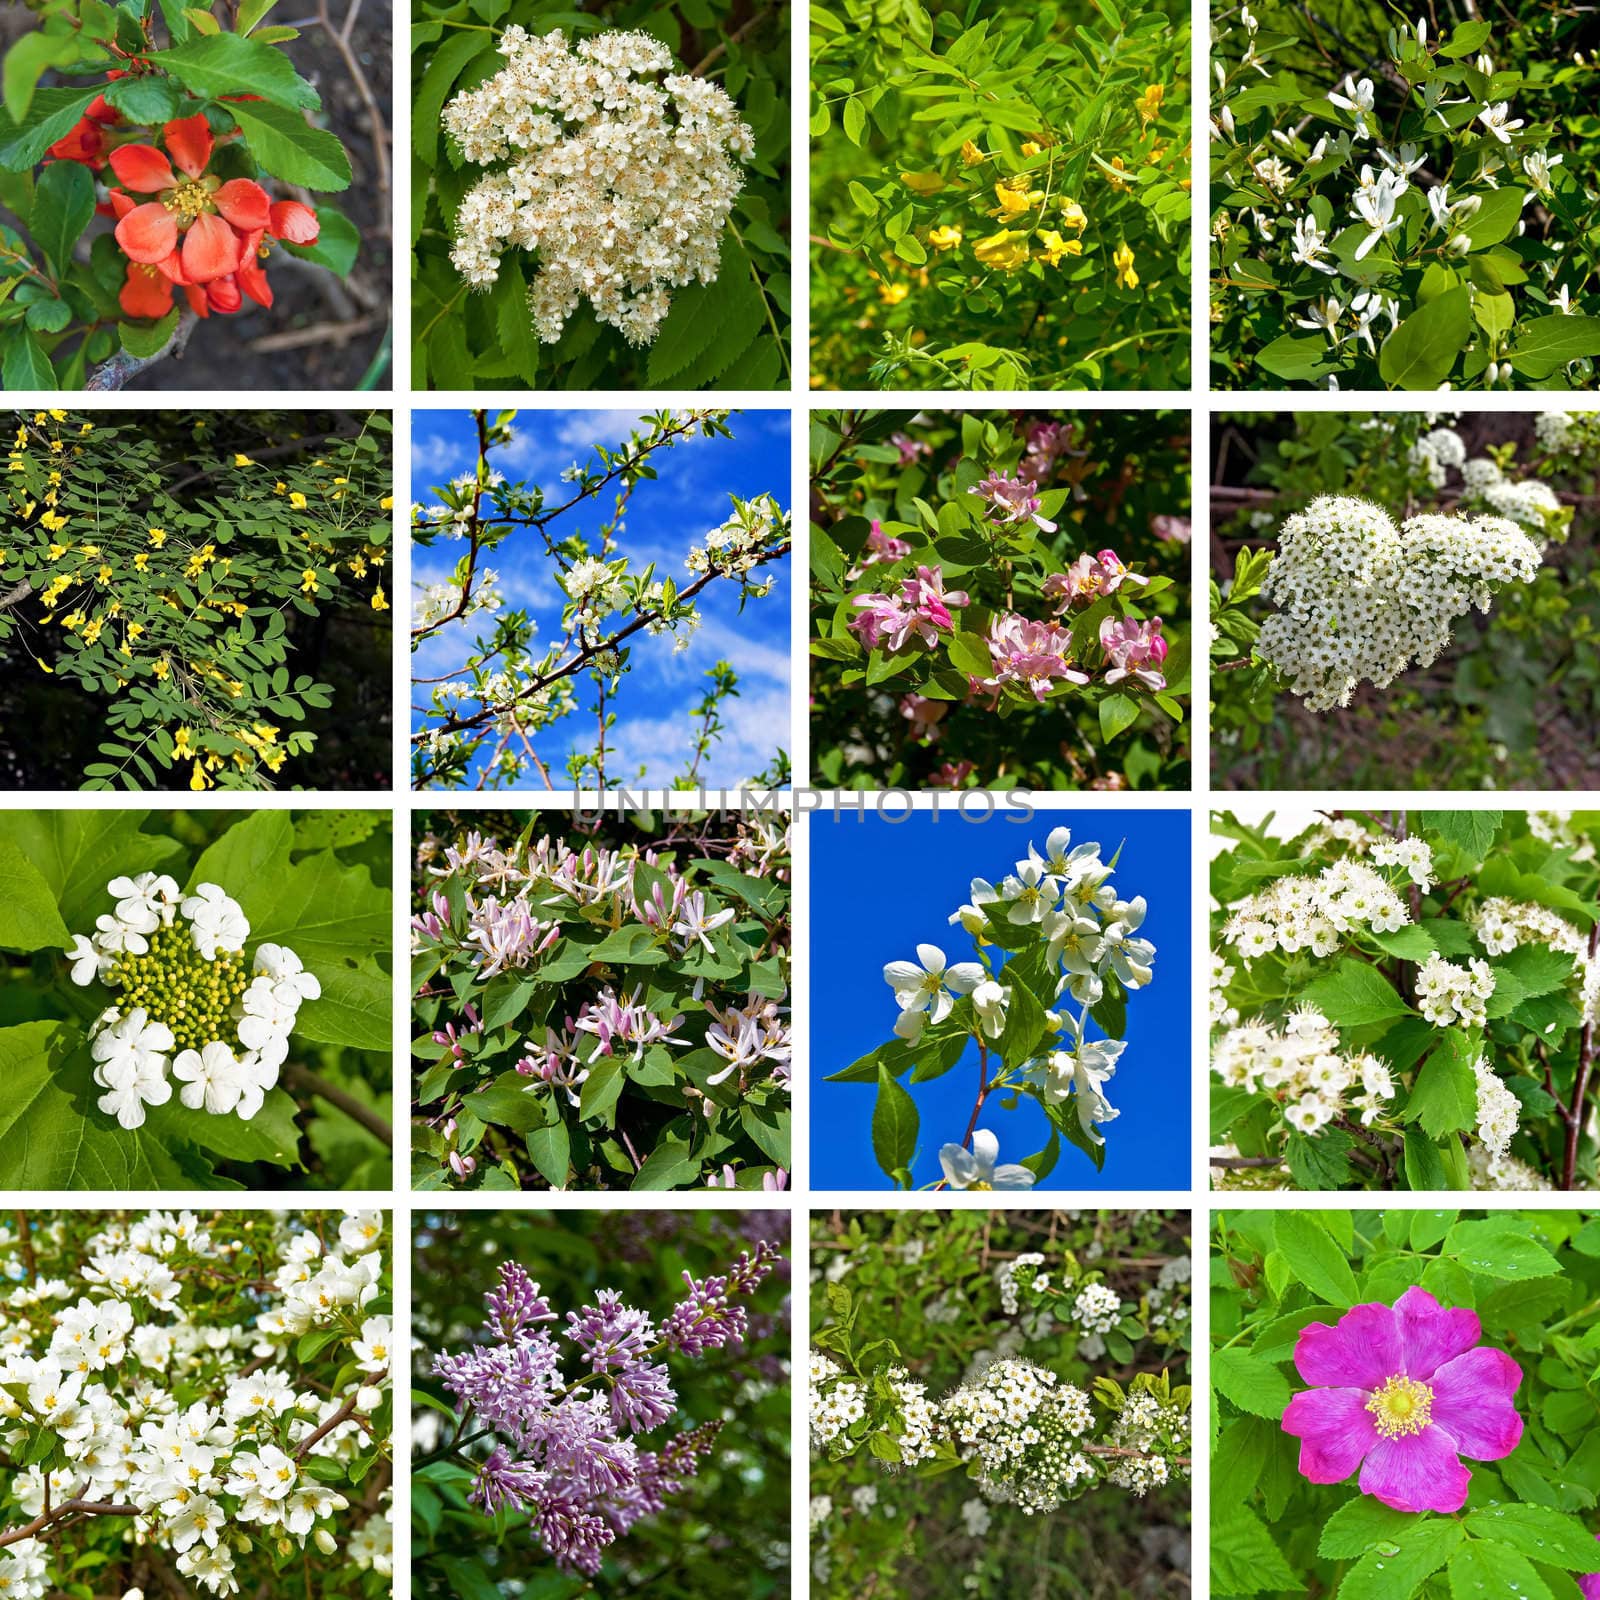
(280, 487)
(387, 502)
(199, 779)
(135, 629)
(157, 537)
(1055, 246)
(298, 501)
(53, 520)
(1072, 214)
(922, 182)
(162, 668)
(1005, 250)
(1122, 260)
(142, 560)
(308, 582)
(1030, 147)
(944, 238)
(242, 460)
(60, 416)
(92, 630)
(181, 745)
(1118, 176)
(378, 601)
(971, 156)
(103, 576)
(56, 551)
(91, 551)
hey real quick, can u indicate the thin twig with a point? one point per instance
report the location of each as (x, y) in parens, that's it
(302, 1077)
(122, 368)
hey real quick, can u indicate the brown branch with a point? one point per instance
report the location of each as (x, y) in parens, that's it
(338, 1419)
(304, 1078)
(15, 596)
(1239, 1163)
(721, 48)
(380, 134)
(122, 368)
(67, 1508)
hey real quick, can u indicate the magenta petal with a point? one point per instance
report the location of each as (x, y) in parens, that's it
(1591, 1584)
(1472, 1401)
(1335, 1429)
(1419, 1472)
(1432, 1335)
(1362, 1352)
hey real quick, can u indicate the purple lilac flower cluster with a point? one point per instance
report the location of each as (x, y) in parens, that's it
(566, 1451)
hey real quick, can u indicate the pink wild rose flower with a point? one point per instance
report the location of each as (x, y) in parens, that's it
(1136, 650)
(1403, 1392)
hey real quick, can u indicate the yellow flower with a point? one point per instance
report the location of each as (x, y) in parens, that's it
(1148, 105)
(103, 575)
(158, 537)
(199, 780)
(1030, 148)
(944, 238)
(60, 416)
(240, 460)
(135, 629)
(922, 182)
(1072, 215)
(1122, 260)
(142, 560)
(43, 667)
(1055, 246)
(378, 601)
(1118, 176)
(52, 520)
(893, 293)
(298, 501)
(971, 155)
(181, 745)
(92, 630)
(56, 551)
(1005, 250)
(162, 668)
(280, 487)
(91, 551)
(387, 502)
(1015, 197)
(308, 582)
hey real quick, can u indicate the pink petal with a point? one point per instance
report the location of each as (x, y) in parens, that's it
(1362, 1352)
(1472, 1403)
(1335, 1429)
(1431, 1335)
(1419, 1472)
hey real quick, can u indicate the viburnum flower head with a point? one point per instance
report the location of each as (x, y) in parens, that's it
(621, 184)
(1403, 1392)
(186, 1001)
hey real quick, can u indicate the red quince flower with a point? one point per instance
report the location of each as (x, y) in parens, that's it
(85, 142)
(147, 293)
(197, 229)
(289, 220)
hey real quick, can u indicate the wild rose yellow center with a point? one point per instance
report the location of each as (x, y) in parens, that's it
(1401, 1407)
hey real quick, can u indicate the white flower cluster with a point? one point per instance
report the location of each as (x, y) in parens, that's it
(1303, 1064)
(1011, 1277)
(436, 601)
(1449, 994)
(1501, 1174)
(916, 1436)
(1414, 855)
(1223, 1012)
(1097, 1309)
(1504, 925)
(1556, 827)
(735, 547)
(1436, 452)
(1145, 1425)
(1528, 502)
(1018, 1423)
(186, 1000)
(103, 1374)
(1361, 599)
(1315, 913)
(836, 1402)
(622, 185)
(1498, 1109)
(1567, 433)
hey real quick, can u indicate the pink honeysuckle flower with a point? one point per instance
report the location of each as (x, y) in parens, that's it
(1136, 650)
(1117, 572)
(1015, 499)
(927, 595)
(922, 611)
(910, 449)
(1088, 579)
(880, 547)
(950, 774)
(1031, 653)
(1047, 443)
(1403, 1392)
(1174, 530)
(881, 623)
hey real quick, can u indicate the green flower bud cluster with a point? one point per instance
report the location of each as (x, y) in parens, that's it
(176, 985)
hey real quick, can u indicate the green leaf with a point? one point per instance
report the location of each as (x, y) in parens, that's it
(1550, 342)
(550, 1150)
(228, 64)
(1117, 712)
(77, 853)
(1355, 994)
(270, 1135)
(355, 1009)
(27, 61)
(54, 112)
(146, 342)
(1244, 1557)
(855, 120)
(1250, 1383)
(23, 363)
(1471, 832)
(668, 1166)
(28, 916)
(509, 1102)
(1321, 1161)
(144, 99)
(601, 1088)
(631, 945)
(1499, 1247)
(1314, 1259)
(338, 242)
(1393, 1571)
(1480, 1568)
(1025, 1023)
(447, 65)
(1495, 219)
(1421, 351)
(1467, 37)
(1043, 1163)
(1444, 1098)
(894, 1125)
(1359, 1524)
(288, 147)
(1424, 1165)
(1546, 1536)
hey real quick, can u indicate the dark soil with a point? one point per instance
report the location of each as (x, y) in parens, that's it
(322, 332)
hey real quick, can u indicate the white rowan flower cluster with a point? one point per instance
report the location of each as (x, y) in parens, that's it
(1498, 1110)
(1316, 913)
(1361, 599)
(1568, 433)
(1303, 1064)
(186, 1001)
(102, 1374)
(621, 184)
(1449, 994)
(836, 1402)
(1097, 1309)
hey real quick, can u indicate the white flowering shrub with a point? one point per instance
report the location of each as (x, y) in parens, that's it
(955, 1383)
(1395, 206)
(606, 185)
(198, 999)
(1059, 951)
(496, 717)
(1406, 1000)
(1403, 598)
(196, 1403)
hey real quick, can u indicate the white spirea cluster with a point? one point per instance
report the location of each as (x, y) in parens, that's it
(1097, 1309)
(1018, 1424)
(915, 1439)
(1526, 501)
(1498, 1109)
(1012, 1277)
(1436, 452)
(1315, 913)
(621, 184)
(1305, 1066)
(1504, 925)
(185, 1001)
(1361, 599)
(836, 1402)
(1449, 994)
(100, 1366)
(1145, 1425)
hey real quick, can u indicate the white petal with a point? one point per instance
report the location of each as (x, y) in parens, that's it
(959, 1167)
(1011, 1176)
(985, 1147)
(931, 957)
(965, 976)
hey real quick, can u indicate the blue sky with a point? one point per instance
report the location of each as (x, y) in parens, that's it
(897, 882)
(665, 517)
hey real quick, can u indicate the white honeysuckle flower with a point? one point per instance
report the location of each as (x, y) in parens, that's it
(1358, 100)
(989, 1001)
(1374, 204)
(1323, 316)
(1497, 120)
(1562, 299)
(1403, 162)
(1537, 165)
(1310, 243)
(976, 1169)
(926, 987)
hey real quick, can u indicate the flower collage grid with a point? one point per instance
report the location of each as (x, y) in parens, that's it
(689, 1079)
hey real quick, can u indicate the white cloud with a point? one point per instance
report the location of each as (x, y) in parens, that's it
(435, 457)
(756, 725)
